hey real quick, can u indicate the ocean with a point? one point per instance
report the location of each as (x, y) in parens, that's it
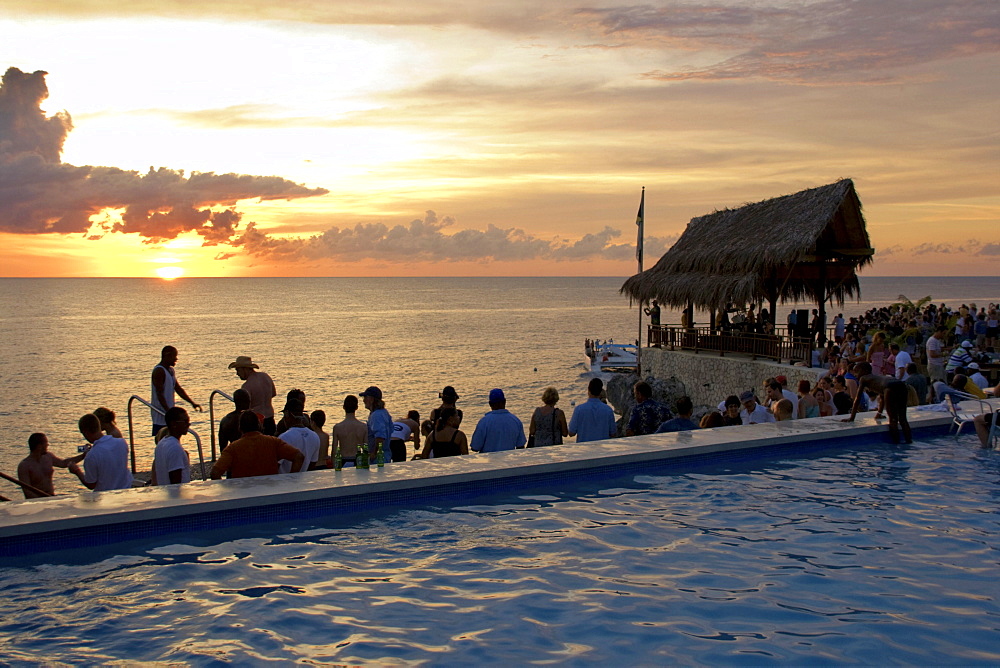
(68, 346)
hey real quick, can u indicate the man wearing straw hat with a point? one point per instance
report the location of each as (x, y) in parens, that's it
(261, 389)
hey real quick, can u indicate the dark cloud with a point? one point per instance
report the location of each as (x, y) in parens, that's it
(425, 239)
(826, 42)
(39, 194)
(990, 249)
(924, 249)
(890, 250)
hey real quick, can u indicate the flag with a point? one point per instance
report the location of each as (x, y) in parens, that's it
(639, 223)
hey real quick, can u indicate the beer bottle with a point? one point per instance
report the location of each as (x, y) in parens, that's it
(338, 459)
(380, 456)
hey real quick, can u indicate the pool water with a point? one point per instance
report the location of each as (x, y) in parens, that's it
(881, 555)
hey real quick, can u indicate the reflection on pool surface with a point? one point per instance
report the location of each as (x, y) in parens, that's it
(885, 555)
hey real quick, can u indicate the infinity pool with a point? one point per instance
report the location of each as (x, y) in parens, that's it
(881, 555)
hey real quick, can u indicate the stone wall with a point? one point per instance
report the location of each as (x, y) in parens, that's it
(710, 378)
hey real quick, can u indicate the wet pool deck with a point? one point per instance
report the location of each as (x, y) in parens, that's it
(93, 518)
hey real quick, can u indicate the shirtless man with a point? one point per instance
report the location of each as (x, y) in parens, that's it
(36, 469)
(892, 396)
(164, 384)
(348, 433)
(261, 389)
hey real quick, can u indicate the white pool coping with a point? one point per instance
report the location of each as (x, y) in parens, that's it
(19, 519)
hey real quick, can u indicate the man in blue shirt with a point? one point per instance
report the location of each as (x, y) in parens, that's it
(683, 421)
(499, 429)
(379, 423)
(593, 420)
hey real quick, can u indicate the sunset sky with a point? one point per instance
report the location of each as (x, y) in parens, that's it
(434, 138)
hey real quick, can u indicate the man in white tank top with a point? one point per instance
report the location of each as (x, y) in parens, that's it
(163, 386)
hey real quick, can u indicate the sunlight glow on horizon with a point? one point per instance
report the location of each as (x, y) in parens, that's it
(544, 121)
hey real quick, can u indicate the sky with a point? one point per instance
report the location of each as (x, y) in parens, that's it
(445, 138)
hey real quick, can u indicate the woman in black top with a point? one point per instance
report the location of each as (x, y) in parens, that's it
(446, 440)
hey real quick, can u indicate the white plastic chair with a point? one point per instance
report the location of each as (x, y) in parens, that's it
(961, 417)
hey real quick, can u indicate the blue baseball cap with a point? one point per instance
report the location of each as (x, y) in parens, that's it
(496, 395)
(372, 392)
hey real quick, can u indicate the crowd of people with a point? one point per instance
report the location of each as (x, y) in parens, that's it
(871, 362)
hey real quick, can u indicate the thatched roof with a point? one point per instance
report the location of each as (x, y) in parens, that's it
(803, 245)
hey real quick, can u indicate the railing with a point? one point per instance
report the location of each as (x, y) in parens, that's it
(24, 485)
(131, 435)
(211, 415)
(769, 346)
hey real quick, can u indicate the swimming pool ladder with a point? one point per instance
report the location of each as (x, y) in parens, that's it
(211, 415)
(131, 435)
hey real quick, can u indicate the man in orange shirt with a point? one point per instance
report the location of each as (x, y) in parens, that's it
(255, 454)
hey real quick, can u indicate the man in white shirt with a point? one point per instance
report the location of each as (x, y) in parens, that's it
(105, 464)
(902, 359)
(300, 436)
(753, 413)
(936, 355)
(171, 463)
(977, 377)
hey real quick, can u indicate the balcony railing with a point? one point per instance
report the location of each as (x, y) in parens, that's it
(777, 347)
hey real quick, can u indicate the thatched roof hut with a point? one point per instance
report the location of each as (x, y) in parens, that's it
(806, 245)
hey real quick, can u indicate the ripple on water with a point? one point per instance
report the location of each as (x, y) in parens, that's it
(885, 555)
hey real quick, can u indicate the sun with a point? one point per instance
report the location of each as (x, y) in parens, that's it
(170, 273)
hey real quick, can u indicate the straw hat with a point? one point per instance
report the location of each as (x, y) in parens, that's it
(243, 362)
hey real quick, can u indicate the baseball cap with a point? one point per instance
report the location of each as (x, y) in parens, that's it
(496, 395)
(372, 392)
(293, 406)
(966, 344)
(974, 365)
(746, 396)
(781, 379)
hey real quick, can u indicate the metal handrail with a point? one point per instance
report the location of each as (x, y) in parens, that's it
(24, 485)
(211, 415)
(131, 434)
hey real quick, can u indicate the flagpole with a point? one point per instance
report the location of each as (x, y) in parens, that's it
(640, 222)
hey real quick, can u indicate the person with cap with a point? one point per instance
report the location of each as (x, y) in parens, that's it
(499, 429)
(261, 389)
(379, 423)
(977, 376)
(753, 413)
(960, 357)
(448, 397)
(163, 386)
(299, 434)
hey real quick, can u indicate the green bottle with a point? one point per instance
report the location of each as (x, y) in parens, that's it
(338, 459)
(362, 461)
(380, 456)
